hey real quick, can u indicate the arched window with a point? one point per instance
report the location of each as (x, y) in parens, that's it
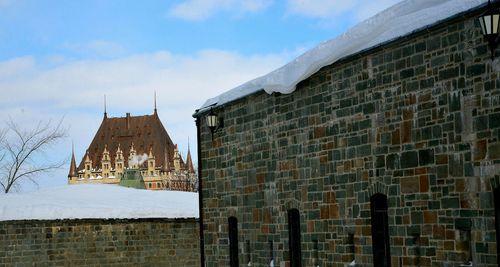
(233, 241)
(380, 231)
(294, 237)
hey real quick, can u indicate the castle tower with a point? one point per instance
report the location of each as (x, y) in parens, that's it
(132, 158)
(151, 162)
(106, 163)
(88, 166)
(177, 159)
(119, 162)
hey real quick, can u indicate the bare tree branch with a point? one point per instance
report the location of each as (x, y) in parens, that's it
(23, 152)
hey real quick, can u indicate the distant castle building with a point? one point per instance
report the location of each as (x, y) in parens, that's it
(138, 143)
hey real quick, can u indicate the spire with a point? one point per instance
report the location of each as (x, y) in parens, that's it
(189, 161)
(72, 166)
(105, 112)
(155, 110)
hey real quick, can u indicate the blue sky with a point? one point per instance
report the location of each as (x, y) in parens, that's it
(58, 58)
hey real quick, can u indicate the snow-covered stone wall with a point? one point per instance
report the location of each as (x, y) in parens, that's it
(89, 201)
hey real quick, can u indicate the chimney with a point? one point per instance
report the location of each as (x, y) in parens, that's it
(128, 120)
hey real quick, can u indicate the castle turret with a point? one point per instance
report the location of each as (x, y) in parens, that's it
(132, 158)
(177, 159)
(106, 163)
(88, 165)
(151, 162)
(119, 162)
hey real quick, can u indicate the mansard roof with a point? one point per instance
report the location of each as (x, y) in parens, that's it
(144, 132)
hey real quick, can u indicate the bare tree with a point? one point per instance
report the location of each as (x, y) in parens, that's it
(23, 152)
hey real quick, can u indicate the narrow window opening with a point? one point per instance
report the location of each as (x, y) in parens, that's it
(351, 249)
(496, 196)
(416, 243)
(271, 254)
(294, 238)
(249, 253)
(380, 231)
(464, 246)
(233, 241)
(316, 253)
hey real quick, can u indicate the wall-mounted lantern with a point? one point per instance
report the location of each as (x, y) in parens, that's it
(490, 25)
(214, 122)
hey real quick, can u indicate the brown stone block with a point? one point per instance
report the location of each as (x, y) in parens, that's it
(267, 216)
(426, 230)
(450, 234)
(449, 245)
(421, 171)
(324, 212)
(410, 185)
(406, 219)
(442, 159)
(366, 230)
(424, 183)
(407, 114)
(255, 215)
(319, 132)
(310, 226)
(406, 132)
(264, 229)
(480, 149)
(396, 138)
(459, 185)
(438, 232)
(329, 146)
(425, 261)
(398, 241)
(430, 216)
(330, 197)
(334, 211)
(261, 177)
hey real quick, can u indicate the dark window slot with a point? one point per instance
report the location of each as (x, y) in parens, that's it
(233, 242)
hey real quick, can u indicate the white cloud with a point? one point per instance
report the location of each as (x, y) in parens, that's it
(196, 10)
(98, 48)
(332, 9)
(31, 91)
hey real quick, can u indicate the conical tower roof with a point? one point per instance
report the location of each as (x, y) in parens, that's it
(189, 161)
(72, 166)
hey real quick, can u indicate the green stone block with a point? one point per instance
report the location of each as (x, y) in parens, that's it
(475, 70)
(494, 120)
(409, 159)
(425, 157)
(450, 203)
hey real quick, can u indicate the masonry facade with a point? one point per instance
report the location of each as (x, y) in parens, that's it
(393, 152)
(97, 242)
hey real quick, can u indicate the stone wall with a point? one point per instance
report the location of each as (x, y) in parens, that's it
(139, 242)
(417, 120)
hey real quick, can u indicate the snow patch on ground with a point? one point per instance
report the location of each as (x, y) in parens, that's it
(97, 202)
(396, 21)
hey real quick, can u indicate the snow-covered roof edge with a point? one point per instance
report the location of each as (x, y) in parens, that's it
(392, 24)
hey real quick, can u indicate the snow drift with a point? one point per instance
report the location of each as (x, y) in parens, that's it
(397, 21)
(97, 202)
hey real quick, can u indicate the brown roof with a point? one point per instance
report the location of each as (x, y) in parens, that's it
(144, 132)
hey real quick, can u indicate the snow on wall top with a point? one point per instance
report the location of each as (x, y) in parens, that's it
(97, 202)
(396, 21)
